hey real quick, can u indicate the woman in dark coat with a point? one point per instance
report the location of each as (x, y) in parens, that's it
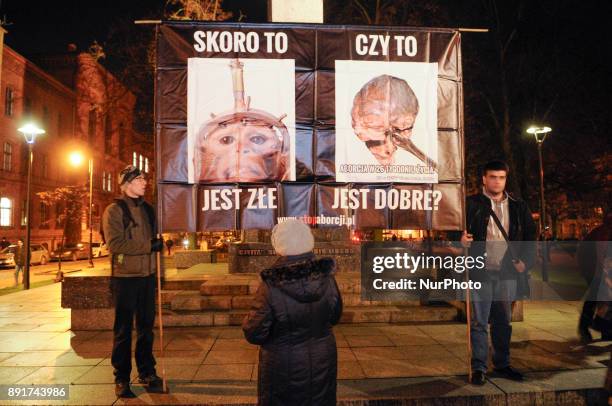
(296, 305)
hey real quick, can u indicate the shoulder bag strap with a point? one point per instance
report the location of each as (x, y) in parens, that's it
(498, 223)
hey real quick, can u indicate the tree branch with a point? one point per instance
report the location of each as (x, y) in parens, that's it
(492, 111)
(363, 11)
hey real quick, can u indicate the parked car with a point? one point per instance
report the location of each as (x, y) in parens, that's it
(99, 249)
(38, 255)
(72, 252)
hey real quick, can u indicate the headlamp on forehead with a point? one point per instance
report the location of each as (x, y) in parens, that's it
(128, 174)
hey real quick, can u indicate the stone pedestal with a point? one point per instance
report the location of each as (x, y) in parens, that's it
(90, 300)
(188, 258)
(253, 257)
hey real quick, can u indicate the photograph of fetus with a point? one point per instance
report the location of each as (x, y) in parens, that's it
(241, 120)
(386, 122)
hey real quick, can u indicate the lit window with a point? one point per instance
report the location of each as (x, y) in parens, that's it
(134, 159)
(6, 211)
(141, 163)
(107, 182)
(146, 165)
(23, 213)
(9, 101)
(7, 163)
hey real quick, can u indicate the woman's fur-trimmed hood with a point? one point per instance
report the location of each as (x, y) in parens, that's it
(305, 279)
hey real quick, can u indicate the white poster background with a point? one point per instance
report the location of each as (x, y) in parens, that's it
(270, 83)
(423, 79)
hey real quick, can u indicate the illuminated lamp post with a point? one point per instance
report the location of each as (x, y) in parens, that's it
(30, 131)
(540, 133)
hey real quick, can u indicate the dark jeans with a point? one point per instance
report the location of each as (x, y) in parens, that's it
(133, 297)
(590, 304)
(588, 312)
(492, 304)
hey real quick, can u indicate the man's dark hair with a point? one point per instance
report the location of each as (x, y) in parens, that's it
(495, 166)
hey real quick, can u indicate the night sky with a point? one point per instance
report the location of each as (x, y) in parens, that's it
(36, 27)
(555, 66)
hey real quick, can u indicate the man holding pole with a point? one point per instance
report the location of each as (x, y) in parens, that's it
(130, 232)
(501, 228)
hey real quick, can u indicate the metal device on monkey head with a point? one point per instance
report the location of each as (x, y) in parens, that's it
(243, 144)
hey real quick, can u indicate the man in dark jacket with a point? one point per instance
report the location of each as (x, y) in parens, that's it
(4, 243)
(130, 232)
(296, 305)
(20, 260)
(505, 273)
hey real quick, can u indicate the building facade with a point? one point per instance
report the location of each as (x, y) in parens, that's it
(29, 93)
(83, 108)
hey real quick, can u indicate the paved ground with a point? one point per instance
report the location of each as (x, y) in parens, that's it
(41, 273)
(215, 365)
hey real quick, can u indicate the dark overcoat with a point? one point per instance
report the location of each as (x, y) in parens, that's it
(296, 305)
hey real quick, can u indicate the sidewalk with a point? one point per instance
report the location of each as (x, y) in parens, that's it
(378, 363)
(41, 274)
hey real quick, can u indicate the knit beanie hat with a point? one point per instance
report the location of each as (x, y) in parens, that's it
(292, 237)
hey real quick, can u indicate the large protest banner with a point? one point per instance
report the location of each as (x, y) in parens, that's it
(336, 125)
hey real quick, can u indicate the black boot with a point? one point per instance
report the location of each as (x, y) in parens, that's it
(152, 382)
(122, 390)
(509, 373)
(585, 334)
(478, 378)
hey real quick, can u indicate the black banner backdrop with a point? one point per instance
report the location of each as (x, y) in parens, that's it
(336, 125)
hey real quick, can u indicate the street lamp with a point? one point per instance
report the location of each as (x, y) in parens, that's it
(76, 159)
(540, 133)
(30, 131)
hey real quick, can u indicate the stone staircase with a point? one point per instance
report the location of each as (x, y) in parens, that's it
(224, 300)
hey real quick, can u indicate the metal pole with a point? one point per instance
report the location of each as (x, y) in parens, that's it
(158, 257)
(468, 316)
(160, 320)
(543, 216)
(468, 305)
(26, 275)
(91, 264)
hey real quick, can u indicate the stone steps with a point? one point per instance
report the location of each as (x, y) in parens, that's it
(190, 300)
(351, 314)
(220, 284)
(181, 284)
(398, 314)
(222, 300)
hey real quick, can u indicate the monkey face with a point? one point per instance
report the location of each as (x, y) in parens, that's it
(242, 151)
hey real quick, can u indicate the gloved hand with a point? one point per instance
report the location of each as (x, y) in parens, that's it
(157, 244)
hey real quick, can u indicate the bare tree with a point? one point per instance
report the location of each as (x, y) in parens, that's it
(205, 10)
(71, 198)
